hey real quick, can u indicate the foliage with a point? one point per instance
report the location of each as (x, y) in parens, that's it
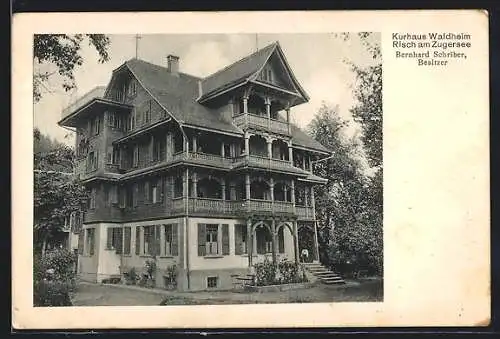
(131, 276)
(171, 276)
(51, 293)
(265, 273)
(149, 275)
(64, 52)
(56, 192)
(349, 206)
(54, 278)
(285, 272)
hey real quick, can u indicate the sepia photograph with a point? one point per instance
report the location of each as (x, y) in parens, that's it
(221, 170)
(191, 169)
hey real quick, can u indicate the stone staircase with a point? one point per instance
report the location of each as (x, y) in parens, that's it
(323, 274)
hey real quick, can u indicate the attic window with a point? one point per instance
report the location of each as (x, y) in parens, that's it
(268, 75)
(132, 88)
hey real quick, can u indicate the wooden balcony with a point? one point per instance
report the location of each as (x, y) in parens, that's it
(203, 159)
(251, 120)
(267, 163)
(305, 213)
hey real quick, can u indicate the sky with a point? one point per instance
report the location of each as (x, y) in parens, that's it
(317, 60)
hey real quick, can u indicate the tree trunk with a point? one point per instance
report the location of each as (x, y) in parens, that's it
(44, 246)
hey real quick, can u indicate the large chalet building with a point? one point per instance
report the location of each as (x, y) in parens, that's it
(207, 174)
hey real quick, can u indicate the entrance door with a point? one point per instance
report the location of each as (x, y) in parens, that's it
(306, 241)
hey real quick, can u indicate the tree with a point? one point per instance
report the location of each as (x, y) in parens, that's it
(56, 192)
(63, 51)
(350, 206)
(367, 91)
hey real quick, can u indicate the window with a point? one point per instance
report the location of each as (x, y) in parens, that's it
(212, 244)
(112, 120)
(151, 240)
(107, 200)
(135, 159)
(154, 194)
(97, 126)
(92, 197)
(115, 156)
(147, 114)
(114, 238)
(132, 88)
(212, 282)
(147, 197)
(92, 161)
(127, 235)
(240, 238)
(135, 195)
(168, 240)
(213, 239)
(90, 241)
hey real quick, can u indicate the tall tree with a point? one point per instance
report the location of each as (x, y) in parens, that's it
(63, 52)
(56, 193)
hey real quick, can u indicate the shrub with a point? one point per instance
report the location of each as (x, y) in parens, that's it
(171, 277)
(51, 293)
(265, 273)
(54, 278)
(289, 272)
(130, 276)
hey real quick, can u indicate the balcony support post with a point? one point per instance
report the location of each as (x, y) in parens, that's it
(249, 242)
(194, 178)
(306, 201)
(222, 150)
(247, 190)
(316, 243)
(295, 242)
(247, 144)
(293, 195)
(269, 141)
(274, 242)
(195, 144)
(288, 118)
(151, 148)
(290, 152)
(223, 187)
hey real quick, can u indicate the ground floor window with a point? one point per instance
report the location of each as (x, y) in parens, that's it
(114, 238)
(212, 282)
(264, 240)
(212, 244)
(90, 241)
(127, 235)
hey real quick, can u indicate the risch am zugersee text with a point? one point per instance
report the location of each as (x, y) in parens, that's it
(431, 49)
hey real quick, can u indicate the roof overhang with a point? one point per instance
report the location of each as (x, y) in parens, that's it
(314, 178)
(309, 149)
(90, 108)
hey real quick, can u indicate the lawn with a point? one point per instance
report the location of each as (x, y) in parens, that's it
(111, 295)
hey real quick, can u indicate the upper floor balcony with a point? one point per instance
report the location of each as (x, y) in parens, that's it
(256, 111)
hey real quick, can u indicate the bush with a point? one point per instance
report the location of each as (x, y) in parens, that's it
(131, 276)
(54, 278)
(51, 293)
(170, 277)
(286, 272)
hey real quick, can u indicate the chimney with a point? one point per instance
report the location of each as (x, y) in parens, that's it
(173, 64)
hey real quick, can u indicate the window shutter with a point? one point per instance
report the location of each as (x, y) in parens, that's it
(201, 239)
(159, 190)
(127, 236)
(146, 192)
(135, 195)
(92, 240)
(281, 241)
(137, 240)
(175, 240)
(157, 247)
(238, 239)
(119, 240)
(122, 197)
(109, 239)
(225, 239)
(81, 240)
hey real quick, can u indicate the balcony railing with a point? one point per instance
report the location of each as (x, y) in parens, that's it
(204, 158)
(262, 122)
(304, 212)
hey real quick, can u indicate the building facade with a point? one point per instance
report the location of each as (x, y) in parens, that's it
(207, 174)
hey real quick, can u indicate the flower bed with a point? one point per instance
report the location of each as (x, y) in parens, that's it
(283, 273)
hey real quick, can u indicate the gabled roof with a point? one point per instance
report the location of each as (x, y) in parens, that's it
(245, 70)
(178, 94)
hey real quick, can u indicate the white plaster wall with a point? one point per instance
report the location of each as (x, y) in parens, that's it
(109, 260)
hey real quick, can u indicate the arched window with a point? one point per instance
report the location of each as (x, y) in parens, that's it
(264, 240)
